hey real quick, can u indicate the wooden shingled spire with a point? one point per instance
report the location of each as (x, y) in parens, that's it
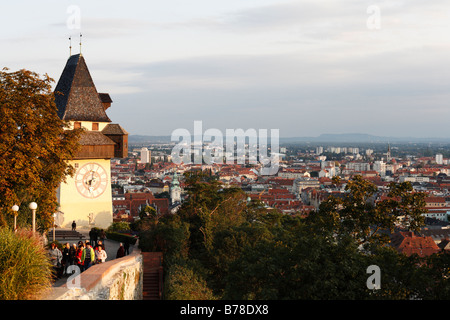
(76, 96)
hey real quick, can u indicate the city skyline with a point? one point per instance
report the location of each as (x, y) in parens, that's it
(304, 67)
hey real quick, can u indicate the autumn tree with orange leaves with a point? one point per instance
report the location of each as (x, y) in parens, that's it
(34, 147)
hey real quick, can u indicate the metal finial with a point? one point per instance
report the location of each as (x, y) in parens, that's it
(70, 46)
(80, 42)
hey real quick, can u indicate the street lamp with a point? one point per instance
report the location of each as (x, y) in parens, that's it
(33, 207)
(15, 208)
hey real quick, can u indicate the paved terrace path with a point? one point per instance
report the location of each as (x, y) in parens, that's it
(111, 247)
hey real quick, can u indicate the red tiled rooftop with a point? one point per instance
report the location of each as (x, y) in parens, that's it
(409, 243)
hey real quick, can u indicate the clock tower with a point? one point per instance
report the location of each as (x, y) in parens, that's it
(86, 197)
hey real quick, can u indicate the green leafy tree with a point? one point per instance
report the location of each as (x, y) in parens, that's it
(309, 268)
(321, 258)
(169, 236)
(34, 146)
(435, 284)
(148, 218)
(233, 248)
(402, 277)
(209, 209)
(228, 246)
(356, 215)
(148, 212)
(183, 283)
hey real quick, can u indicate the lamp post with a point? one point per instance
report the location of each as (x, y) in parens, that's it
(15, 208)
(33, 207)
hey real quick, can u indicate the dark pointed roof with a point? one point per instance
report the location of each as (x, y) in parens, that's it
(114, 129)
(76, 97)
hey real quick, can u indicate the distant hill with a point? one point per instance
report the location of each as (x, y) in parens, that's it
(362, 138)
(326, 137)
(148, 139)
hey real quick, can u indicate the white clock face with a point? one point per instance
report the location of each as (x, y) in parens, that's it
(91, 180)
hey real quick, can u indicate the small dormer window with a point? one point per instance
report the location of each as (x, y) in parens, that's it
(95, 126)
(77, 125)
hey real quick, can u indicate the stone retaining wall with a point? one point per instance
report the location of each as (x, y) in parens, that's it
(118, 279)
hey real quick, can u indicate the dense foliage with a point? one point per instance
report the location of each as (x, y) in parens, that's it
(34, 147)
(221, 244)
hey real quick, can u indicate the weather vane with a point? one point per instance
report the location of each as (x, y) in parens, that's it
(70, 46)
(80, 42)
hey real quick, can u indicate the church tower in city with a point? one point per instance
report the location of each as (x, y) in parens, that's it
(175, 190)
(86, 197)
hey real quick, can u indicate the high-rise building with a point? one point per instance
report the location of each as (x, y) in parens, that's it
(358, 166)
(439, 159)
(380, 167)
(319, 150)
(145, 156)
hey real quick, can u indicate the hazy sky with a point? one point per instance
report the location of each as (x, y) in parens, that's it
(303, 67)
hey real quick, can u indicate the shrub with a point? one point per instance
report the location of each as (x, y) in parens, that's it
(24, 265)
(118, 226)
(120, 237)
(182, 283)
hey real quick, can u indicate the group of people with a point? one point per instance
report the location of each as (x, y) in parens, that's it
(82, 255)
